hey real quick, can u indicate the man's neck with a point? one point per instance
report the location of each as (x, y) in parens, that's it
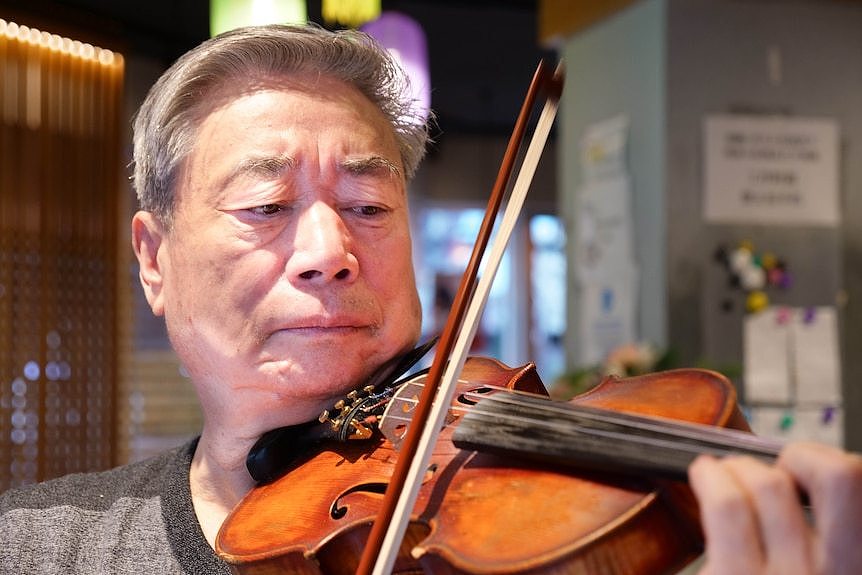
(218, 477)
(218, 480)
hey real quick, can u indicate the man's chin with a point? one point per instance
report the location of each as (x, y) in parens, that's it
(317, 376)
(329, 349)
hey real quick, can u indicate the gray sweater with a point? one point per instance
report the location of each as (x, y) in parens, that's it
(133, 519)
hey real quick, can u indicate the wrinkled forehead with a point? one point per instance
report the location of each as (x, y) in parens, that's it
(319, 86)
(265, 127)
(310, 102)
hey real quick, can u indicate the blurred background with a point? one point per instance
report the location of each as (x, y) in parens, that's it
(698, 204)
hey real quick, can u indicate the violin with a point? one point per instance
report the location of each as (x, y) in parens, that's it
(503, 509)
(459, 469)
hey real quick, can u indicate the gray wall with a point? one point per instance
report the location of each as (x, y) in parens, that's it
(667, 64)
(717, 63)
(618, 67)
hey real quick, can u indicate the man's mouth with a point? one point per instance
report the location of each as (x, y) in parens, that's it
(323, 326)
(313, 329)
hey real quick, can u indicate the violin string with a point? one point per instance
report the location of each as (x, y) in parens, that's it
(669, 431)
(727, 439)
(652, 424)
(616, 436)
(573, 430)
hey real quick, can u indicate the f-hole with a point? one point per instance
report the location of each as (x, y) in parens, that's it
(462, 398)
(338, 510)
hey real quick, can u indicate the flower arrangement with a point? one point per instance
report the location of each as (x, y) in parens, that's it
(624, 361)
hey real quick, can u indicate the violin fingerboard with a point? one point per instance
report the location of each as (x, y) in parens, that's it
(570, 436)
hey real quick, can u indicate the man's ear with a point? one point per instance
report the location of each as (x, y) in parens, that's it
(147, 236)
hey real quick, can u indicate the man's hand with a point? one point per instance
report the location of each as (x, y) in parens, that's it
(754, 522)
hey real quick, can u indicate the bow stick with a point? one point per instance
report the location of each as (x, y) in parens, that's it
(388, 529)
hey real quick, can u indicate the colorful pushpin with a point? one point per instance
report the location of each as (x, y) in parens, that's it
(775, 276)
(740, 259)
(756, 301)
(752, 278)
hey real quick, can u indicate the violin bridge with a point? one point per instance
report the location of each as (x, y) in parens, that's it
(396, 419)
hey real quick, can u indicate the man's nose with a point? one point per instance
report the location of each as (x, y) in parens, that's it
(322, 247)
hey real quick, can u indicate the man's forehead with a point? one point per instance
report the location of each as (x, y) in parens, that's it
(251, 99)
(257, 135)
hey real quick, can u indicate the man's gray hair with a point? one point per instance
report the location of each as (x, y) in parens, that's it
(166, 125)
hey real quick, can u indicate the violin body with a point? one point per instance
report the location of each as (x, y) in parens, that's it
(483, 513)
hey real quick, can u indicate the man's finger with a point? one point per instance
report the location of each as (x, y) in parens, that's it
(784, 532)
(833, 481)
(730, 525)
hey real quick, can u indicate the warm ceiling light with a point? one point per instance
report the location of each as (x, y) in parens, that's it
(404, 38)
(229, 14)
(351, 13)
(36, 37)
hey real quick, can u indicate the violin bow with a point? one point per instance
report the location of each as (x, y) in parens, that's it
(388, 530)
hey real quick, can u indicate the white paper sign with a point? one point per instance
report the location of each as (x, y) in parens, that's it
(771, 170)
(608, 311)
(817, 360)
(604, 226)
(792, 356)
(767, 357)
(821, 424)
(603, 148)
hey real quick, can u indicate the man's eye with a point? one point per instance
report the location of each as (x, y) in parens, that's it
(267, 210)
(368, 211)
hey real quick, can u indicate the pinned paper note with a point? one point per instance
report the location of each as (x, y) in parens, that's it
(822, 424)
(767, 360)
(608, 320)
(817, 361)
(792, 356)
(771, 170)
(605, 241)
(605, 269)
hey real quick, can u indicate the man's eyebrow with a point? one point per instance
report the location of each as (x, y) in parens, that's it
(266, 167)
(370, 164)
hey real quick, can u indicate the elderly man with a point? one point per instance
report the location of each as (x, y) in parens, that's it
(271, 166)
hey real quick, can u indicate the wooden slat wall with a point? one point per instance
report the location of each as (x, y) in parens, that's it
(60, 107)
(161, 408)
